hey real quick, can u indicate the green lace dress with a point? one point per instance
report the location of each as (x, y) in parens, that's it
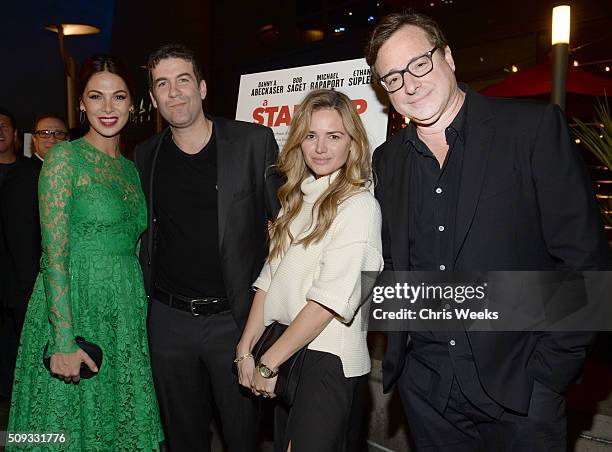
(92, 213)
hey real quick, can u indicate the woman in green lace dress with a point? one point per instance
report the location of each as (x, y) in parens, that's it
(92, 213)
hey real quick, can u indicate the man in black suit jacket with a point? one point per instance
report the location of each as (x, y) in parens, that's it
(211, 192)
(478, 184)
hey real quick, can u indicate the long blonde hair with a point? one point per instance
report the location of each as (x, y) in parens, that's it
(352, 177)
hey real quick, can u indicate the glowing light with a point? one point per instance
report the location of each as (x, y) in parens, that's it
(313, 35)
(561, 25)
(74, 29)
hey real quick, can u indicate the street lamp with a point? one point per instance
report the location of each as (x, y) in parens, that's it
(68, 62)
(560, 52)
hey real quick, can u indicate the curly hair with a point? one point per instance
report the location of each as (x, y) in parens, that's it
(354, 175)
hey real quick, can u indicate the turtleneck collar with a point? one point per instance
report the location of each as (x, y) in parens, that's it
(313, 188)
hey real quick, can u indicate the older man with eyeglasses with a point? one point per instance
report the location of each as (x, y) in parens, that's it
(478, 184)
(48, 130)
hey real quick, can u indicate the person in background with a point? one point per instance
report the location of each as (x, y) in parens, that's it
(8, 319)
(8, 140)
(327, 233)
(21, 230)
(49, 129)
(92, 213)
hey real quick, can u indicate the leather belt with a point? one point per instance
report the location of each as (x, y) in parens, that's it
(196, 306)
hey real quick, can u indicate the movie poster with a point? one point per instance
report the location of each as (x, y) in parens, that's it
(270, 98)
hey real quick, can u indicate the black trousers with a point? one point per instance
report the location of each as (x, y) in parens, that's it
(192, 359)
(462, 427)
(319, 418)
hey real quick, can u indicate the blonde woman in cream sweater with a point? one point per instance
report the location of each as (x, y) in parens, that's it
(328, 231)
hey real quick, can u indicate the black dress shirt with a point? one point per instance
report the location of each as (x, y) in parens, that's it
(433, 209)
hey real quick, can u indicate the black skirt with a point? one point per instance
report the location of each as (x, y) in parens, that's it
(319, 418)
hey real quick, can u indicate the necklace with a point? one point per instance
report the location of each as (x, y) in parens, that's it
(204, 141)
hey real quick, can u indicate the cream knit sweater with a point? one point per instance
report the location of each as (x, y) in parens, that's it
(329, 272)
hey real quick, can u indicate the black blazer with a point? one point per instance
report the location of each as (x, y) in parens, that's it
(525, 203)
(247, 199)
(20, 246)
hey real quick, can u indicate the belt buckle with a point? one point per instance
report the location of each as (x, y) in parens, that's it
(204, 301)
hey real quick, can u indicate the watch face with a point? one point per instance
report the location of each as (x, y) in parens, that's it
(265, 371)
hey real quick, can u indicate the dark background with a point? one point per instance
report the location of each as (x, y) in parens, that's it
(236, 37)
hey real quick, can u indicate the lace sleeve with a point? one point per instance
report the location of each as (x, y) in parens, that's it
(55, 188)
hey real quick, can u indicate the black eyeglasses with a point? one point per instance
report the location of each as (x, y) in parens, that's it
(46, 134)
(417, 67)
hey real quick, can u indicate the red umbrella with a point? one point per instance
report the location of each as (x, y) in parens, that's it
(536, 80)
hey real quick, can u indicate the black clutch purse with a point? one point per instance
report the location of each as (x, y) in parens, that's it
(289, 372)
(94, 351)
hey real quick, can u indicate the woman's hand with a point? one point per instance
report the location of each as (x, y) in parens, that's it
(252, 332)
(246, 368)
(67, 366)
(263, 386)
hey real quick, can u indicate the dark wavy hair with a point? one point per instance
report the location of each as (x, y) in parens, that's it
(173, 51)
(103, 63)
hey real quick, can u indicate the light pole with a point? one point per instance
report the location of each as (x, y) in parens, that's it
(560, 52)
(68, 62)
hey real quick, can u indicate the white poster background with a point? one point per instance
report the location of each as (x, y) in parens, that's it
(270, 98)
(27, 144)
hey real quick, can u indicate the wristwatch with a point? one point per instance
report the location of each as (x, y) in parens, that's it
(265, 371)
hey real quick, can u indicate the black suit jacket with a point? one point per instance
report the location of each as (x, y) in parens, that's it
(525, 203)
(247, 199)
(20, 246)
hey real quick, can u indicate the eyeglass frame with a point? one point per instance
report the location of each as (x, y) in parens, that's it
(402, 72)
(51, 133)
